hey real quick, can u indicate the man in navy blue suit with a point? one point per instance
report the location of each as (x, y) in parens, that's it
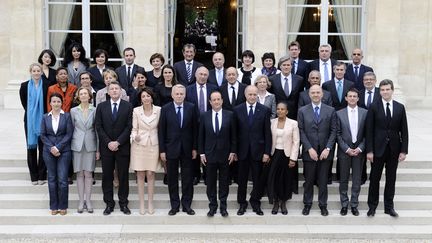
(299, 66)
(254, 136)
(324, 64)
(186, 68)
(178, 133)
(216, 75)
(356, 70)
(217, 145)
(126, 72)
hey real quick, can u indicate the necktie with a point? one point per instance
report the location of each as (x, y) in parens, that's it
(294, 67)
(353, 126)
(356, 72)
(114, 112)
(217, 124)
(219, 77)
(129, 75)
(326, 74)
(189, 71)
(250, 115)
(179, 116)
(369, 99)
(339, 90)
(201, 101)
(316, 114)
(388, 113)
(233, 96)
(286, 87)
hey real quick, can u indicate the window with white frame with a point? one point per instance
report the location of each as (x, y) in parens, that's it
(340, 23)
(96, 24)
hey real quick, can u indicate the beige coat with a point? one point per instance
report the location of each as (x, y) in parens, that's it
(291, 135)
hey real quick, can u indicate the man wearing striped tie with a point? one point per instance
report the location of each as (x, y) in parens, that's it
(186, 68)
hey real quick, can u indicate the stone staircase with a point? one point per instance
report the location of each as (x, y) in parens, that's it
(24, 213)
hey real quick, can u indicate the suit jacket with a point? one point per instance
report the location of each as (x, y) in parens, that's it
(174, 139)
(180, 69)
(114, 130)
(292, 99)
(344, 136)
(98, 81)
(331, 87)
(192, 94)
(270, 102)
(379, 134)
(61, 139)
(303, 71)
(256, 138)
(23, 91)
(315, 65)
(291, 138)
(147, 130)
(240, 98)
(363, 94)
(212, 77)
(317, 135)
(73, 75)
(84, 133)
(122, 77)
(304, 98)
(217, 147)
(350, 75)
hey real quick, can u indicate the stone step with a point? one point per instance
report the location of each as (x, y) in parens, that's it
(200, 201)
(213, 233)
(403, 174)
(42, 216)
(24, 186)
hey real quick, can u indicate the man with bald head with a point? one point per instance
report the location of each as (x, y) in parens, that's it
(232, 91)
(314, 79)
(199, 94)
(317, 125)
(254, 147)
(216, 75)
(356, 70)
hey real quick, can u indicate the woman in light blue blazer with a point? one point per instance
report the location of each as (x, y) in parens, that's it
(56, 135)
(84, 146)
(264, 97)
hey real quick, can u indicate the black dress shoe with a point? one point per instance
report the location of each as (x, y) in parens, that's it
(125, 210)
(242, 210)
(391, 212)
(306, 210)
(324, 211)
(196, 181)
(344, 211)
(275, 207)
(224, 213)
(371, 212)
(355, 211)
(108, 210)
(211, 213)
(258, 211)
(189, 211)
(173, 212)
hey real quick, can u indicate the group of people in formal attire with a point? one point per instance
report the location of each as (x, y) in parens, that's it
(235, 124)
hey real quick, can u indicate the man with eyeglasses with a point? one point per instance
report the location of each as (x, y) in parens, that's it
(356, 70)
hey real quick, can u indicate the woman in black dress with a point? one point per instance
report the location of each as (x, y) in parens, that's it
(47, 59)
(157, 60)
(163, 89)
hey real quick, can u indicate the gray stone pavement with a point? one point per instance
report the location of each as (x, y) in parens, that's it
(12, 142)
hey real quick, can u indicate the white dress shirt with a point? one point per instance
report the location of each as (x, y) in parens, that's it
(353, 122)
(236, 88)
(289, 82)
(390, 107)
(219, 118)
(329, 70)
(55, 121)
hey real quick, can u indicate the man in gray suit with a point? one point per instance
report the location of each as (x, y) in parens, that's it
(351, 142)
(317, 124)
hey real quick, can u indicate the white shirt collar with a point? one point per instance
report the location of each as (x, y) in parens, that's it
(191, 62)
(50, 113)
(236, 84)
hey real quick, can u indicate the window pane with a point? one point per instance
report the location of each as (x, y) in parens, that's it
(57, 38)
(53, 1)
(346, 2)
(309, 46)
(106, 42)
(65, 17)
(99, 18)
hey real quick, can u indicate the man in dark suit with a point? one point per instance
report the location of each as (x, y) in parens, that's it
(287, 87)
(198, 93)
(217, 145)
(314, 79)
(386, 145)
(356, 69)
(126, 72)
(232, 91)
(178, 133)
(254, 137)
(324, 64)
(317, 125)
(216, 75)
(114, 124)
(299, 66)
(367, 96)
(351, 141)
(185, 69)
